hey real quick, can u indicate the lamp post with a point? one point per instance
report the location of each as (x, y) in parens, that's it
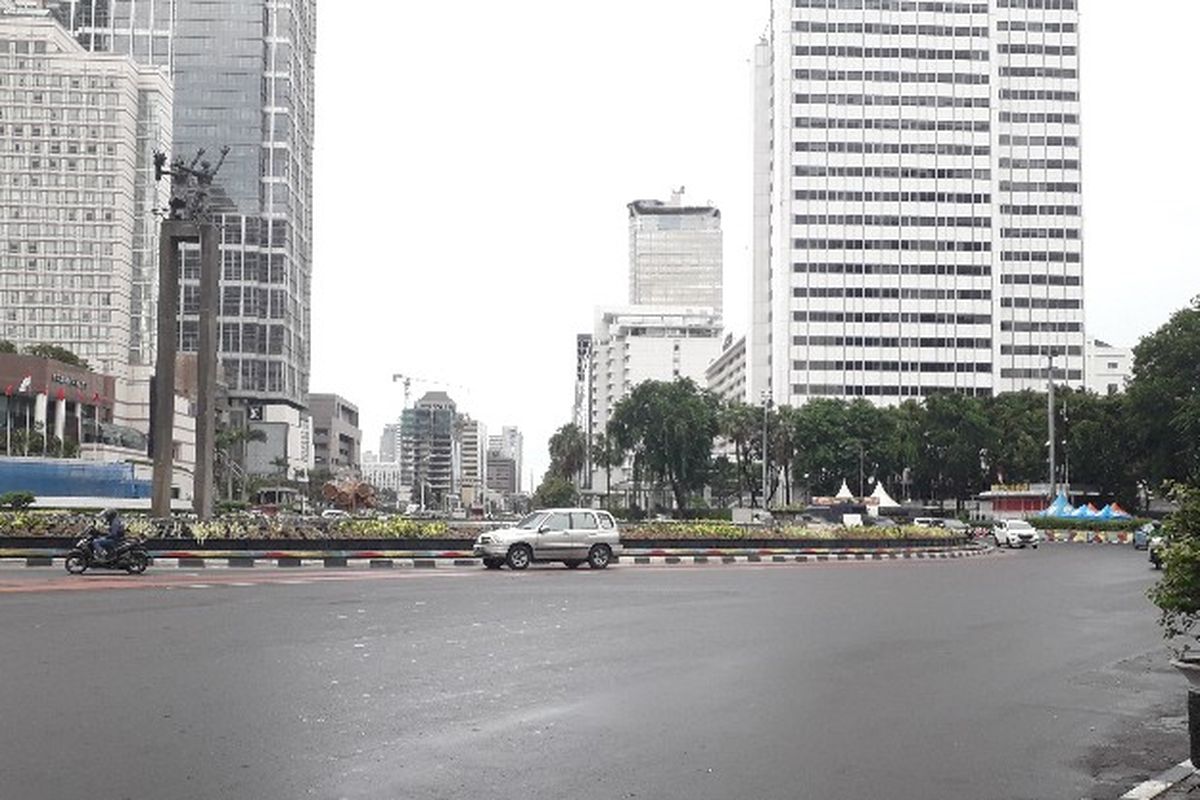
(766, 398)
(1050, 423)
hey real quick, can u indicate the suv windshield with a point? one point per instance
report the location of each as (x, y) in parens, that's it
(531, 521)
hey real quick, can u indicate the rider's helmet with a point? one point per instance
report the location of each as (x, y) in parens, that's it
(108, 515)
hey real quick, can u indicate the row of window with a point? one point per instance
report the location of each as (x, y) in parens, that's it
(831, 123)
(886, 29)
(922, 53)
(891, 76)
(1036, 26)
(1040, 302)
(1039, 163)
(859, 390)
(1041, 280)
(1039, 94)
(1039, 233)
(903, 148)
(922, 245)
(1037, 350)
(1008, 139)
(1046, 5)
(932, 367)
(1040, 374)
(1039, 255)
(1038, 49)
(1041, 327)
(890, 293)
(891, 172)
(1039, 186)
(891, 197)
(1039, 72)
(825, 268)
(1040, 211)
(894, 342)
(251, 337)
(907, 101)
(895, 5)
(1039, 118)
(891, 220)
(873, 317)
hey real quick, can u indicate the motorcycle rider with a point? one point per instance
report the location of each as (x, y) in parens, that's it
(107, 544)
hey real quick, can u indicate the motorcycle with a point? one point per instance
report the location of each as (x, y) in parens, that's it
(129, 555)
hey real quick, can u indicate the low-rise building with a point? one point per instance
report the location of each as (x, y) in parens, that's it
(726, 376)
(337, 440)
(1109, 368)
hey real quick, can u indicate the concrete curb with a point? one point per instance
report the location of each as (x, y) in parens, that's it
(433, 559)
(1159, 784)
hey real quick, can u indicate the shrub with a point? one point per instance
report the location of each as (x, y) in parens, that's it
(1061, 524)
(16, 500)
(1177, 593)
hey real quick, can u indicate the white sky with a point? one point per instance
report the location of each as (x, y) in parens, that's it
(474, 159)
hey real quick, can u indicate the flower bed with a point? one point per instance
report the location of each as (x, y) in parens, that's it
(727, 531)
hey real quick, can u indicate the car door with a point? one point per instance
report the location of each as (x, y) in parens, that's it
(583, 531)
(552, 538)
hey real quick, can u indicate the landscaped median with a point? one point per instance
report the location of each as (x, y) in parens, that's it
(249, 542)
(1116, 531)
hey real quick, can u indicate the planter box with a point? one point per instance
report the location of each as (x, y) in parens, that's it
(366, 545)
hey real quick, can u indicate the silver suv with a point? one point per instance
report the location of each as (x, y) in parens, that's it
(569, 535)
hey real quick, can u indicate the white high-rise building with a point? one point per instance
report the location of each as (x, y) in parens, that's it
(646, 343)
(77, 192)
(509, 443)
(674, 254)
(917, 199)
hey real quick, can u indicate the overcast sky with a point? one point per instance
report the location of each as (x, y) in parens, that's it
(474, 160)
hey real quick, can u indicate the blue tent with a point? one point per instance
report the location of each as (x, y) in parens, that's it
(1106, 512)
(1061, 507)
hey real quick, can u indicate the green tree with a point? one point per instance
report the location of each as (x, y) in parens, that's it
(673, 426)
(230, 444)
(56, 353)
(7, 347)
(555, 491)
(1177, 594)
(1164, 397)
(1099, 441)
(741, 425)
(568, 452)
(1017, 451)
(953, 452)
(606, 454)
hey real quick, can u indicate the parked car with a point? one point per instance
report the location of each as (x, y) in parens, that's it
(1143, 535)
(570, 535)
(334, 513)
(1016, 533)
(928, 522)
(1155, 546)
(957, 526)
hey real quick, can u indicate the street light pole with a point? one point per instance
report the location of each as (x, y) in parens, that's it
(1050, 422)
(766, 398)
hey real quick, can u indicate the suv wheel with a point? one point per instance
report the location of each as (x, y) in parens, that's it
(519, 556)
(599, 556)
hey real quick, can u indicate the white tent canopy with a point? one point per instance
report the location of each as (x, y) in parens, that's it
(885, 499)
(844, 492)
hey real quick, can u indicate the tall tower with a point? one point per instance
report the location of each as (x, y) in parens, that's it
(917, 199)
(243, 73)
(674, 254)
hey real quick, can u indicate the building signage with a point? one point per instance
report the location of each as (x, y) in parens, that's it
(67, 380)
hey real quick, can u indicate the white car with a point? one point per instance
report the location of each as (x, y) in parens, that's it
(570, 535)
(1016, 533)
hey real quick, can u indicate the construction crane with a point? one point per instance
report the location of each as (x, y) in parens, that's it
(409, 379)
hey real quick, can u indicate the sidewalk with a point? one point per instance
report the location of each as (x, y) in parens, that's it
(1181, 782)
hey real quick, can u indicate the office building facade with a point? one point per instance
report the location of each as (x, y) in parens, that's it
(79, 265)
(337, 438)
(675, 255)
(917, 199)
(431, 457)
(243, 73)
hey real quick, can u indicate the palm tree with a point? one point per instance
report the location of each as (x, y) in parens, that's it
(231, 441)
(607, 453)
(568, 452)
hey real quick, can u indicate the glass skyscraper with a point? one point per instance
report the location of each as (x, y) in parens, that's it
(243, 75)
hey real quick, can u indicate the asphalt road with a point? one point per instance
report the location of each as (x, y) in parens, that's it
(1034, 674)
